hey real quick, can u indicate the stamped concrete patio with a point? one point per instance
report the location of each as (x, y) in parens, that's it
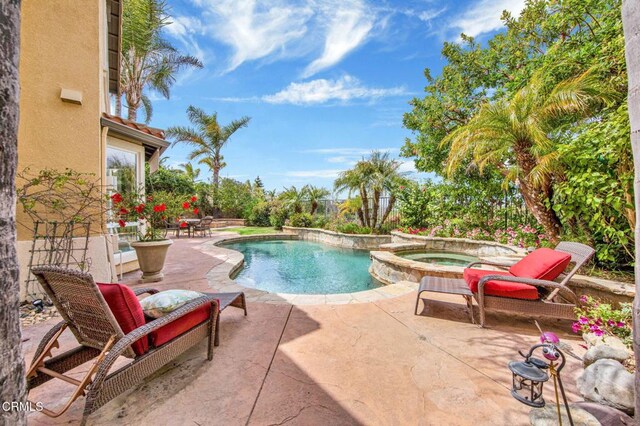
(356, 362)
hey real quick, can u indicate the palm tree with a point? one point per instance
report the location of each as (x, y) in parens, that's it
(208, 138)
(314, 194)
(191, 172)
(631, 25)
(516, 136)
(294, 198)
(148, 61)
(12, 371)
(372, 177)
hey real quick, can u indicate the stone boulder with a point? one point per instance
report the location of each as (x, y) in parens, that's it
(605, 351)
(548, 416)
(607, 416)
(607, 382)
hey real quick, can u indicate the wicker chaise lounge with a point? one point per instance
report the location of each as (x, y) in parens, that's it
(536, 285)
(108, 322)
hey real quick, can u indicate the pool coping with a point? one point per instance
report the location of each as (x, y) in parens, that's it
(219, 278)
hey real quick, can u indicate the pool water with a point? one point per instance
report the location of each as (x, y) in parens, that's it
(441, 258)
(302, 267)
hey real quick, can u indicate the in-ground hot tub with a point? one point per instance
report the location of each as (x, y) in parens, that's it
(447, 258)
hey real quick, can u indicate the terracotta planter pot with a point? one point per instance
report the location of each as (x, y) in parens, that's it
(151, 256)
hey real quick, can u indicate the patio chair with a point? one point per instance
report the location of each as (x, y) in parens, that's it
(204, 226)
(108, 322)
(529, 286)
(170, 226)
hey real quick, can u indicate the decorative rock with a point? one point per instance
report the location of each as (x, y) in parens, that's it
(548, 416)
(607, 416)
(607, 382)
(604, 351)
(593, 340)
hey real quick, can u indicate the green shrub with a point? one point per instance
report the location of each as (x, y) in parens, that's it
(353, 228)
(301, 220)
(320, 221)
(278, 214)
(259, 215)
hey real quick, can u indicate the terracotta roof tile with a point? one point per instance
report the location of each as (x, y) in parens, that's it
(158, 133)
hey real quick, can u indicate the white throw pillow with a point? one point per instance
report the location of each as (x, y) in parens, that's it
(159, 304)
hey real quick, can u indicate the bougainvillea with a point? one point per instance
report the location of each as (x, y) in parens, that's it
(602, 319)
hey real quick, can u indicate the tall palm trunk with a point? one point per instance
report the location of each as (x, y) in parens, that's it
(365, 205)
(376, 207)
(118, 111)
(631, 26)
(314, 207)
(360, 214)
(12, 371)
(389, 209)
(537, 197)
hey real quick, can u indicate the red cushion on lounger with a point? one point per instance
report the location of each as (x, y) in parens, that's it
(499, 288)
(542, 264)
(127, 310)
(175, 328)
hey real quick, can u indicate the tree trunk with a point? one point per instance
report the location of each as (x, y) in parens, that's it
(314, 207)
(12, 370)
(631, 25)
(389, 209)
(132, 112)
(360, 214)
(365, 205)
(376, 207)
(536, 197)
(118, 110)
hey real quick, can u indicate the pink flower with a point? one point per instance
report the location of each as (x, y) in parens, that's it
(583, 320)
(620, 324)
(583, 299)
(611, 323)
(575, 327)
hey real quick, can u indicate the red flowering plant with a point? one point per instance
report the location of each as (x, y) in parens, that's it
(152, 212)
(602, 319)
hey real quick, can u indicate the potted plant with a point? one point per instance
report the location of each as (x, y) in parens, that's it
(152, 245)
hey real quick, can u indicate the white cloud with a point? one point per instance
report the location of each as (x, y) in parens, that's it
(484, 16)
(407, 167)
(347, 28)
(254, 29)
(321, 91)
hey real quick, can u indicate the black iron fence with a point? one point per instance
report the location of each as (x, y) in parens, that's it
(507, 211)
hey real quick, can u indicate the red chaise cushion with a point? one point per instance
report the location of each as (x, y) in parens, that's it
(126, 309)
(499, 288)
(175, 328)
(541, 264)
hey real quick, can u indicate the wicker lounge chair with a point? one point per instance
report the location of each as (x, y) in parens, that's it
(516, 290)
(105, 320)
(527, 287)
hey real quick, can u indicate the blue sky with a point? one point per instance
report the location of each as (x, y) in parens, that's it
(324, 82)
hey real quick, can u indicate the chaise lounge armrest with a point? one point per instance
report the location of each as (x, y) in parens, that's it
(139, 291)
(556, 288)
(486, 262)
(121, 345)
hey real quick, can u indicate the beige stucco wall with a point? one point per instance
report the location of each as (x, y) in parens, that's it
(61, 47)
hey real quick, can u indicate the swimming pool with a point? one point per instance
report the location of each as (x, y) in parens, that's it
(303, 267)
(441, 258)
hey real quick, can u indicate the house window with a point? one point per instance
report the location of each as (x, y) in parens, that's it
(123, 176)
(122, 170)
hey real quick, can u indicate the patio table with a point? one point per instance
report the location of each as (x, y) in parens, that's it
(190, 224)
(448, 286)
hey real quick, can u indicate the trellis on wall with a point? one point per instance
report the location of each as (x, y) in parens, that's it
(57, 244)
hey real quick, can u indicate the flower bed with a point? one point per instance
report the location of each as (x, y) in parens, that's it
(523, 236)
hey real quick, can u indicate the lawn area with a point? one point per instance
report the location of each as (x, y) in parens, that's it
(249, 230)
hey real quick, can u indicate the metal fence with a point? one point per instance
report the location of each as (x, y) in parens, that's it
(507, 211)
